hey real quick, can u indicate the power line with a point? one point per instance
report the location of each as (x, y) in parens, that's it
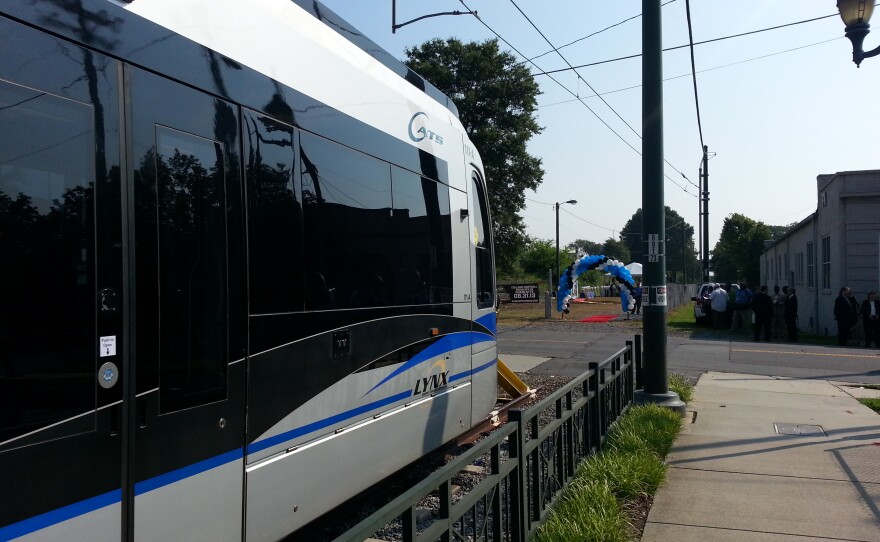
(590, 35)
(688, 45)
(708, 69)
(587, 221)
(684, 188)
(687, 4)
(538, 30)
(590, 109)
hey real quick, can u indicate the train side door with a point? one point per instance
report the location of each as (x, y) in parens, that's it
(484, 349)
(189, 312)
(61, 278)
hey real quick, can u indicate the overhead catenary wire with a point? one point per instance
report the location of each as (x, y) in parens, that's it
(687, 4)
(637, 55)
(580, 78)
(591, 35)
(627, 143)
(590, 109)
(633, 87)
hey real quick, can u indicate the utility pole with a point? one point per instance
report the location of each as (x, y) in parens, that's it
(656, 388)
(705, 194)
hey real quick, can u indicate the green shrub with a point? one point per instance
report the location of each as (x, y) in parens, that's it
(682, 386)
(587, 511)
(627, 474)
(644, 427)
(629, 465)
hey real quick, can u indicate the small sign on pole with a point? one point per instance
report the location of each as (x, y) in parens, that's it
(653, 247)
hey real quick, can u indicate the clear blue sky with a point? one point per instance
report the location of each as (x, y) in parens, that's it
(775, 122)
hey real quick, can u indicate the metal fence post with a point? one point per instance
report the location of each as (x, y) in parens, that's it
(638, 363)
(519, 499)
(595, 406)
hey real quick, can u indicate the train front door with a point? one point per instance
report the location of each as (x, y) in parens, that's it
(188, 312)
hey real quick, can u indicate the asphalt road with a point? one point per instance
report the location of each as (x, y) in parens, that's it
(572, 345)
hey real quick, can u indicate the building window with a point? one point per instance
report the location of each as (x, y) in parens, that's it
(799, 268)
(787, 277)
(826, 263)
(811, 266)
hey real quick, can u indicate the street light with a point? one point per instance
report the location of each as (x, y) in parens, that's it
(573, 202)
(855, 15)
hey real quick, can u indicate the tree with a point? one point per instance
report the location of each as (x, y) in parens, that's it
(538, 257)
(737, 255)
(496, 98)
(589, 247)
(616, 249)
(679, 246)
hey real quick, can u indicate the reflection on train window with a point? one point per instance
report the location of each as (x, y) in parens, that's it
(422, 247)
(47, 319)
(348, 226)
(192, 270)
(483, 247)
(274, 218)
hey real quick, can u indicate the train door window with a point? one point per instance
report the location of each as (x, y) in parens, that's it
(485, 290)
(422, 249)
(274, 217)
(47, 240)
(192, 270)
(347, 226)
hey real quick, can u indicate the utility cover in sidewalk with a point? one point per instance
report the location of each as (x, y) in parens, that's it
(799, 429)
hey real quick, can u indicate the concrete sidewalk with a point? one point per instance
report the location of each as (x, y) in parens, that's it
(734, 477)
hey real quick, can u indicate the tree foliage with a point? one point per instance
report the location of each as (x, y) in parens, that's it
(497, 99)
(737, 254)
(617, 249)
(589, 247)
(538, 257)
(679, 246)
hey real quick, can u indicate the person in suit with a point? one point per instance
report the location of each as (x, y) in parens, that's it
(844, 314)
(870, 314)
(791, 314)
(762, 306)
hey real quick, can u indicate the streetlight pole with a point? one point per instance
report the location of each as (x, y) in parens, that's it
(656, 388)
(573, 202)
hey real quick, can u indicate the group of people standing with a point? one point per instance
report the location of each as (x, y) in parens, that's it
(735, 304)
(847, 311)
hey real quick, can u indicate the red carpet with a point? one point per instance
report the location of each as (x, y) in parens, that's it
(600, 318)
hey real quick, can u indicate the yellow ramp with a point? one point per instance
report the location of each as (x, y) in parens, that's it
(511, 383)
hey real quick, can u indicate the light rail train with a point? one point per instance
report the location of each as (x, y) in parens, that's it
(247, 269)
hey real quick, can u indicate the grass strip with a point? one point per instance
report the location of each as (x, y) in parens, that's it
(873, 404)
(630, 465)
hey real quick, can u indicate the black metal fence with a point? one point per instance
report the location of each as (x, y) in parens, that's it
(521, 468)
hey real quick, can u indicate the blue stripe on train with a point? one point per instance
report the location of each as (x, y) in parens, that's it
(476, 370)
(320, 424)
(71, 511)
(58, 515)
(489, 321)
(185, 472)
(455, 341)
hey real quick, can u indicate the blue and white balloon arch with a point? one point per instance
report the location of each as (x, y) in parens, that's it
(619, 273)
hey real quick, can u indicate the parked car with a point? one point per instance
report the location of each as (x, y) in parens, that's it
(702, 306)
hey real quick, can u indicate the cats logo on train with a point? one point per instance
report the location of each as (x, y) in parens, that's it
(418, 131)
